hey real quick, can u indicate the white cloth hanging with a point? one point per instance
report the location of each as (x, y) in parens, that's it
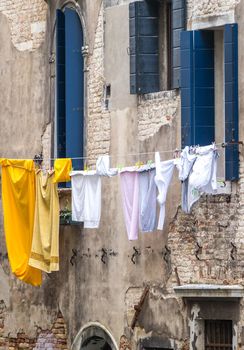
(86, 198)
(103, 167)
(164, 173)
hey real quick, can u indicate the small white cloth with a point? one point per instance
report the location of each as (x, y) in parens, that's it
(87, 192)
(164, 173)
(185, 163)
(103, 167)
(204, 171)
(202, 177)
(86, 198)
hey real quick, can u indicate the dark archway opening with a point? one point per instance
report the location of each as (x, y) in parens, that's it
(95, 343)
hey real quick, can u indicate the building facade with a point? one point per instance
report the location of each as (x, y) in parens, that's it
(76, 81)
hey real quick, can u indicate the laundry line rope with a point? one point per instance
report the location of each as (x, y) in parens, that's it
(222, 144)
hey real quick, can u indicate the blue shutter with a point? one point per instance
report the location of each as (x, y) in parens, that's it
(60, 83)
(197, 87)
(187, 100)
(204, 87)
(231, 100)
(74, 93)
(144, 50)
(178, 10)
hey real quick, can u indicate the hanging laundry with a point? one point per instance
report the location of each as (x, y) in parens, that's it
(86, 197)
(86, 192)
(164, 173)
(147, 198)
(129, 180)
(45, 244)
(62, 169)
(184, 165)
(18, 196)
(203, 176)
(103, 167)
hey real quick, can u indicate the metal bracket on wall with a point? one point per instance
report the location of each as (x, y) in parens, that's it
(135, 254)
(104, 256)
(138, 307)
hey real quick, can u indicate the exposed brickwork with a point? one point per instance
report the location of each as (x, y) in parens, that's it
(53, 339)
(98, 124)
(155, 110)
(206, 239)
(205, 8)
(27, 22)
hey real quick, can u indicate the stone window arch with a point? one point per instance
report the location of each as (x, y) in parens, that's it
(92, 334)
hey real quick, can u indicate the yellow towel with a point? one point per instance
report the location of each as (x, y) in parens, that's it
(45, 243)
(62, 168)
(18, 196)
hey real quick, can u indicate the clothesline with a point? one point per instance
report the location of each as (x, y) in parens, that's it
(222, 144)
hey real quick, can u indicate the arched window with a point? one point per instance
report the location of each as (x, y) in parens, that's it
(94, 336)
(69, 86)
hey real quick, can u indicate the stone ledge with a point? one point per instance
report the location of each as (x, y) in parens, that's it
(209, 291)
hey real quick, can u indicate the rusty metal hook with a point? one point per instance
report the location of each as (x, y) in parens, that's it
(135, 254)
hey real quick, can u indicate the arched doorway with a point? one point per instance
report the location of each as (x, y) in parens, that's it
(94, 336)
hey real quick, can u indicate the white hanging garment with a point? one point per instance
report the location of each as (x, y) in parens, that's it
(86, 198)
(103, 167)
(203, 176)
(164, 173)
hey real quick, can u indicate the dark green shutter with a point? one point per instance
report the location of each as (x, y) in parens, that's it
(178, 15)
(231, 101)
(197, 87)
(144, 47)
(60, 83)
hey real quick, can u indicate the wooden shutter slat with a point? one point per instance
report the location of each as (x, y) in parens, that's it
(178, 14)
(60, 83)
(231, 101)
(74, 87)
(197, 87)
(144, 60)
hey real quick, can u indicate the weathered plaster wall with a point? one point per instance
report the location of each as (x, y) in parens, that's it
(27, 21)
(155, 110)
(102, 275)
(208, 8)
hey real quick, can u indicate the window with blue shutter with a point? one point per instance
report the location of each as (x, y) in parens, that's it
(178, 14)
(198, 92)
(144, 50)
(231, 100)
(197, 87)
(60, 84)
(70, 86)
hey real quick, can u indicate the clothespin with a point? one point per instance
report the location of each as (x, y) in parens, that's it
(138, 164)
(119, 166)
(149, 162)
(86, 167)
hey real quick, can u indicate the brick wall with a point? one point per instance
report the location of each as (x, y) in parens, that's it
(98, 123)
(52, 339)
(155, 110)
(27, 22)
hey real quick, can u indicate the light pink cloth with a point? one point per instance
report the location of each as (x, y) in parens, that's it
(130, 198)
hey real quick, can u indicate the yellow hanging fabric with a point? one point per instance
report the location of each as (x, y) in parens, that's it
(62, 168)
(45, 244)
(18, 197)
